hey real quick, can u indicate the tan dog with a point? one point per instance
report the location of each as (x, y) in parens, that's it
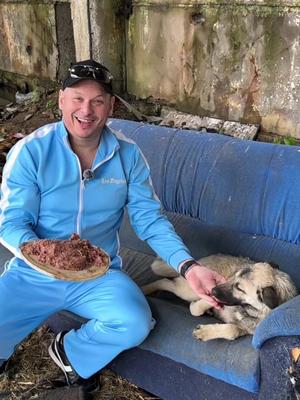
(252, 290)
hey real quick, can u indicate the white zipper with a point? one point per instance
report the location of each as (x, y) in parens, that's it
(82, 185)
(81, 188)
(80, 208)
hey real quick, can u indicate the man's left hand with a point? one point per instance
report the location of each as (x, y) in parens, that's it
(202, 280)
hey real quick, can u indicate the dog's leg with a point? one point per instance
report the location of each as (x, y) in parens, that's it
(161, 284)
(199, 307)
(218, 331)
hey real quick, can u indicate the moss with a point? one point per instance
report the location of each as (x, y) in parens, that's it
(131, 29)
(258, 10)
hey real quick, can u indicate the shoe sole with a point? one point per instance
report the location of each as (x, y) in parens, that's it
(54, 354)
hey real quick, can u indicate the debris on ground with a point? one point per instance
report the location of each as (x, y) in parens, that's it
(31, 373)
(182, 120)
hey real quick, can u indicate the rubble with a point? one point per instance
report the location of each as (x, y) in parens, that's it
(182, 120)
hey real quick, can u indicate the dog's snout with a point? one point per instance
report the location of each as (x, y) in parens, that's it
(223, 293)
(219, 290)
(218, 293)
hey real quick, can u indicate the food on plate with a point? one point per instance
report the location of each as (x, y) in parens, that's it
(72, 255)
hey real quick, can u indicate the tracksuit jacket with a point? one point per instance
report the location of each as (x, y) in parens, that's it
(45, 196)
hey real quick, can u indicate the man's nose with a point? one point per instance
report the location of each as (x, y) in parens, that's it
(86, 107)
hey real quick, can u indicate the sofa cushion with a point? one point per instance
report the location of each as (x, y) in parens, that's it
(241, 187)
(235, 362)
(5, 255)
(170, 380)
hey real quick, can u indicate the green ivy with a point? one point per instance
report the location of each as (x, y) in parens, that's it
(291, 141)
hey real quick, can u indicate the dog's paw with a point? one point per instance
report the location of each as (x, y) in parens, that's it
(199, 307)
(218, 331)
(204, 332)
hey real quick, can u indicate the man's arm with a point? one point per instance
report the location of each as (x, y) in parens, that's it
(144, 211)
(20, 199)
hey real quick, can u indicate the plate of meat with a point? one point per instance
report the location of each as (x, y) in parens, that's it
(72, 259)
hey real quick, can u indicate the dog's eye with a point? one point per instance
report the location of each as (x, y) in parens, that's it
(238, 288)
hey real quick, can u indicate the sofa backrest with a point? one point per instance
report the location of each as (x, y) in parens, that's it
(225, 194)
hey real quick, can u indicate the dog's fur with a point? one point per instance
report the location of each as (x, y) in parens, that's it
(251, 291)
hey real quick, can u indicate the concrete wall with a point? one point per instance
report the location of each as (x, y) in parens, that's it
(36, 40)
(80, 19)
(108, 37)
(232, 61)
(39, 38)
(28, 39)
(237, 59)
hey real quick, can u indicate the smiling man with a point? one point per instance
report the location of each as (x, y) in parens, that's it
(85, 106)
(78, 176)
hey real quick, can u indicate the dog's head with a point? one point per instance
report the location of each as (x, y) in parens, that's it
(257, 285)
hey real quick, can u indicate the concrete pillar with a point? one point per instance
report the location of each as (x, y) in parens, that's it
(80, 17)
(108, 37)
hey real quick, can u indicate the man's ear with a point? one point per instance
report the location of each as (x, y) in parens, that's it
(60, 99)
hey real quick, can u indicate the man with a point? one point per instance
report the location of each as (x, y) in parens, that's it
(54, 184)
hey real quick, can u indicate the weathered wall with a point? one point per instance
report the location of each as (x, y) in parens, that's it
(108, 33)
(230, 61)
(65, 38)
(237, 60)
(36, 40)
(80, 19)
(28, 39)
(41, 37)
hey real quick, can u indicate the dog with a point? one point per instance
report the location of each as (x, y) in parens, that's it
(251, 291)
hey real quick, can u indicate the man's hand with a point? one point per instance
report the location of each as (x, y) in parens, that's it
(202, 280)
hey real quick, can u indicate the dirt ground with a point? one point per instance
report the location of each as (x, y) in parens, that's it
(31, 374)
(31, 371)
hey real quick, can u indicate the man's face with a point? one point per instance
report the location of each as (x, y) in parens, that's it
(85, 107)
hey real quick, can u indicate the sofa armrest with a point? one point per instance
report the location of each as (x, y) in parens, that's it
(282, 321)
(275, 360)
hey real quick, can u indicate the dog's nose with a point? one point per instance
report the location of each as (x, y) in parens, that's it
(214, 291)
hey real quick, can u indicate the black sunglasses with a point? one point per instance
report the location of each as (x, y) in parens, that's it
(87, 71)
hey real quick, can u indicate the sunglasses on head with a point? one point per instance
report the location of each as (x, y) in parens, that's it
(87, 71)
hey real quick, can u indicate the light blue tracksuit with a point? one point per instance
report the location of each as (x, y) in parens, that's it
(44, 196)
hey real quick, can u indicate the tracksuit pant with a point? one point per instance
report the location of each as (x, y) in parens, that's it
(118, 313)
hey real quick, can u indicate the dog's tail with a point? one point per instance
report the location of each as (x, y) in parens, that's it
(159, 267)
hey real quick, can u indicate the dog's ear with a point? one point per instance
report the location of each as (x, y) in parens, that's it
(270, 297)
(273, 265)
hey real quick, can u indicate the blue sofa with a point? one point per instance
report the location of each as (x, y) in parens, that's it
(223, 195)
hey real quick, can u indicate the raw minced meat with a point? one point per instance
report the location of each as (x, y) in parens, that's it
(73, 254)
